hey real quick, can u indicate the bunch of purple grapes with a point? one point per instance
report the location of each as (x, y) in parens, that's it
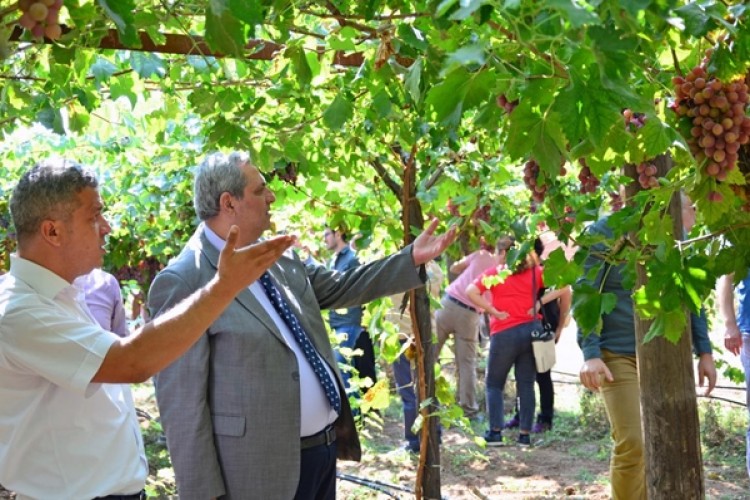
(503, 102)
(588, 180)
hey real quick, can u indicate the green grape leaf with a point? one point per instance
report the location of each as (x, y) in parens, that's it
(147, 65)
(576, 12)
(670, 325)
(338, 113)
(224, 32)
(121, 13)
(559, 271)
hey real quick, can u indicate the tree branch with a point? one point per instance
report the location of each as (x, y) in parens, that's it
(383, 173)
(435, 176)
(560, 70)
(343, 21)
(183, 44)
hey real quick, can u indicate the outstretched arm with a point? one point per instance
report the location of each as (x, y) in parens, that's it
(159, 342)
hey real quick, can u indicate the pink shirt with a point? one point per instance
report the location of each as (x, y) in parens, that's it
(478, 262)
(514, 296)
(104, 300)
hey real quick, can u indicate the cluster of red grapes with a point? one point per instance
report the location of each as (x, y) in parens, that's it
(530, 178)
(588, 180)
(41, 17)
(287, 174)
(647, 175)
(143, 273)
(453, 209)
(503, 102)
(633, 120)
(717, 114)
(482, 213)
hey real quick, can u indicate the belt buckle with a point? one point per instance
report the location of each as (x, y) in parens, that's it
(330, 435)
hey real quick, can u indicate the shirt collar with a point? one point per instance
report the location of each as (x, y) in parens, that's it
(41, 279)
(214, 238)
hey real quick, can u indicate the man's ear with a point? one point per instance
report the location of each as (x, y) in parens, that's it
(226, 203)
(51, 230)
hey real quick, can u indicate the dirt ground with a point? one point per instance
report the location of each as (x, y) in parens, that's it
(555, 467)
(552, 468)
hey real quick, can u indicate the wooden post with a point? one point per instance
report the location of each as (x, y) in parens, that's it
(669, 411)
(428, 473)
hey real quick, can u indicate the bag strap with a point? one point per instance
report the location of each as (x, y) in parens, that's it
(535, 293)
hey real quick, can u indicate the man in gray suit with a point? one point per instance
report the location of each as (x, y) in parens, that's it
(246, 411)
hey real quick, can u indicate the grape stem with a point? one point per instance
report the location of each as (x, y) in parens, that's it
(676, 61)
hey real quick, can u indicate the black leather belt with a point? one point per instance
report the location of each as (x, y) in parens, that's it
(460, 304)
(327, 436)
(141, 495)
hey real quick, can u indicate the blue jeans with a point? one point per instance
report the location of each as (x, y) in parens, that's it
(352, 334)
(745, 357)
(511, 348)
(405, 387)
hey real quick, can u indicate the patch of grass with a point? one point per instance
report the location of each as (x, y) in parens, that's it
(460, 459)
(161, 482)
(585, 476)
(723, 438)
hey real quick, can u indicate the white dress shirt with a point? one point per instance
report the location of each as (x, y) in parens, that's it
(316, 412)
(61, 436)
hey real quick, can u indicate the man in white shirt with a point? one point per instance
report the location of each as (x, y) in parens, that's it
(67, 422)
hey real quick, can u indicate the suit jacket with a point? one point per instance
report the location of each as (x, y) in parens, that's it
(230, 405)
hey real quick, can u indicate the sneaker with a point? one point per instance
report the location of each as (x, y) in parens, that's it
(494, 438)
(541, 427)
(524, 440)
(513, 423)
(412, 448)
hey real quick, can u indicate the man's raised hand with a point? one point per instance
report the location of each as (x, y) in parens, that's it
(240, 267)
(428, 245)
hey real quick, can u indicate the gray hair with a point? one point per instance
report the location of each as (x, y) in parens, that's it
(218, 174)
(49, 190)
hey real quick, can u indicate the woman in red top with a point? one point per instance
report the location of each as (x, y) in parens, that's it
(513, 316)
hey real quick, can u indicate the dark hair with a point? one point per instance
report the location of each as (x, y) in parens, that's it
(529, 261)
(49, 190)
(341, 229)
(504, 243)
(538, 246)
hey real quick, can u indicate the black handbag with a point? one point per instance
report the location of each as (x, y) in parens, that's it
(547, 331)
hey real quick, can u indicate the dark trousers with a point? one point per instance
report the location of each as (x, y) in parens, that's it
(405, 386)
(317, 476)
(546, 398)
